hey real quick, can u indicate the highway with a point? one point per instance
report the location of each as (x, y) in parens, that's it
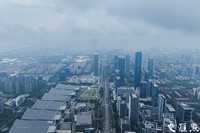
(107, 119)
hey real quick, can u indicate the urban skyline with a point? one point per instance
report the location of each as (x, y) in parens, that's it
(90, 66)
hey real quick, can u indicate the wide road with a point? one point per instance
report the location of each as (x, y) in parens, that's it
(107, 113)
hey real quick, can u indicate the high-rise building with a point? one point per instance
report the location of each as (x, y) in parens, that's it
(184, 115)
(125, 125)
(150, 67)
(143, 89)
(1, 105)
(161, 106)
(150, 86)
(138, 68)
(154, 93)
(8, 84)
(17, 89)
(134, 109)
(116, 62)
(122, 109)
(128, 63)
(146, 75)
(96, 65)
(62, 76)
(19, 84)
(122, 70)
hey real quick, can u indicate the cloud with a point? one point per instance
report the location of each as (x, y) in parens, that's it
(116, 23)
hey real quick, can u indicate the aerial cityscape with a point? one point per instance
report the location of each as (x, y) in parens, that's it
(99, 67)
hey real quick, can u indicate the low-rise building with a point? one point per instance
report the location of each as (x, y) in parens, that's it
(83, 118)
(32, 126)
(46, 115)
(49, 105)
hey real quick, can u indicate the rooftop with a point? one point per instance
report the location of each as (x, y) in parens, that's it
(185, 106)
(35, 114)
(80, 104)
(170, 108)
(56, 97)
(134, 95)
(49, 105)
(26, 126)
(62, 91)
(65, 126)
(67, 87)
(84, 118)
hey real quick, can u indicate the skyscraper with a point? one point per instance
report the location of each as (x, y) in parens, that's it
(122, 70)
(116, 62)
(161, 106)
(125, 125)
(138, 68)
(134, 109)
(150, 67)
(96, 65)
(154, 94)
(143, 89)
(1, 105)
(128, 62)
(184, 115)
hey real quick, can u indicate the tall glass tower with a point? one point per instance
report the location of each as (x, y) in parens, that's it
(122, 70)
(138, 68)
(150, 67)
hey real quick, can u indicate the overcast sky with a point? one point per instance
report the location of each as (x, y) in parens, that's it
(114, 23)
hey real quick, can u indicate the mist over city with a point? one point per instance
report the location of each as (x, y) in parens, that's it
(115, 24)
(91, 66)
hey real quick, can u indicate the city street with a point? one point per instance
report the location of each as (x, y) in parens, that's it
(107, 120)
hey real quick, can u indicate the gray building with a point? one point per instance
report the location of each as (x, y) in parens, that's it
(27, 126)
(184, 114)
(1, 105)
(83, 118)
(133, 109)
(116, 62)
(122, 70)
(49, 105)
(128, 63)
(161, 106)
(154, 94)
(56, 97)
(96, 65)
(125, 125)
(170, 109)
(169, 119)
(122, 109)
(62, 92)
(150, 67)
(124, 90)
(67, 87)
(46, 115)
(138, 68)
(143, 89)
